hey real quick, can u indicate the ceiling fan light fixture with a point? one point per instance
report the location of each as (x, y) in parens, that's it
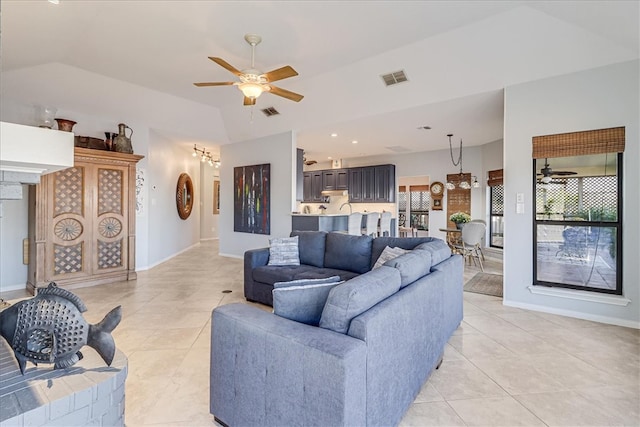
(251, 90)
(546, 179)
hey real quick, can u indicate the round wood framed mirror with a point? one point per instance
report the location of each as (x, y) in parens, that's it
(184, 195)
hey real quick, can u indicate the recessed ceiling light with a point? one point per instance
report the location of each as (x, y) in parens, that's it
(354, 142)
(333, 135)
(54, 1)
(329, 157)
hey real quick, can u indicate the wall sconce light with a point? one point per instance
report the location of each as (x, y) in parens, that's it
(205, 156)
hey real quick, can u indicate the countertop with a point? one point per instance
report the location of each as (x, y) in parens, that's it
(301, 214)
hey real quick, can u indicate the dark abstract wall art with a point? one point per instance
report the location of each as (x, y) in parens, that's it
(252, 199)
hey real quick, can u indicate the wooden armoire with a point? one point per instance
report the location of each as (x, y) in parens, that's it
(82, 222)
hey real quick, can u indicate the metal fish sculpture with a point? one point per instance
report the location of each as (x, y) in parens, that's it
(50, 328)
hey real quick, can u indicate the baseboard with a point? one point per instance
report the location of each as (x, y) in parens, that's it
(16, 287)
(209, 238)
(155, 264)
(575, 314)
(231, 256)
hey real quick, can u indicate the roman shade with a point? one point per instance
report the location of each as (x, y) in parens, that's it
(582, 143)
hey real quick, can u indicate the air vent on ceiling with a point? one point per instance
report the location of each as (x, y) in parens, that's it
(398, 149)
(394, 78)
(270, 111)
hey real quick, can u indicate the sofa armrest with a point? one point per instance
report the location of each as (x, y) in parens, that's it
(253, 258)
(267, 370)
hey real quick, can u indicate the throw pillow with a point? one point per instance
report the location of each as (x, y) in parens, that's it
(388, 254)
(358, 295)
(284, 251)
(303, 300)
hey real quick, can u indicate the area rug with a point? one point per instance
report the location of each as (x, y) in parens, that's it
(485, 283)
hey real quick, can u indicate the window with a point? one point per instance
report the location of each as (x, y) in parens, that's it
(496, 208)
(578, 206)
(496, 226)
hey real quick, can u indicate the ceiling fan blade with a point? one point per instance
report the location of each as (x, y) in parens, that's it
(286, 94)
(214, 84)
(249, 101)
(563, 173)
(280, 73)
(224, 64)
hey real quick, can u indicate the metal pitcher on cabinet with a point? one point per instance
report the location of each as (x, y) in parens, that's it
(122, 142)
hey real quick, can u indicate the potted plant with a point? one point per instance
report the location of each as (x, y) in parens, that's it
(460, 218)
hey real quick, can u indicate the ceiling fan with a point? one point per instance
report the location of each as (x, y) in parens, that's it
(254, 82)
(548, 174)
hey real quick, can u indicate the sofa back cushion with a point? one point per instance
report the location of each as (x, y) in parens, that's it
(347, 252)
(311, 246)
(380, 243)
(355, 296)
(438, 248)
(412, 266)
(302, 300)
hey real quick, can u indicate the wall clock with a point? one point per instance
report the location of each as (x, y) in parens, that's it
(437, 190)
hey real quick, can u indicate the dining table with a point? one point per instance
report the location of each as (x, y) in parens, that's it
(453, 236)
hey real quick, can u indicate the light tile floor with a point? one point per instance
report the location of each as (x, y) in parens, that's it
(503, 367)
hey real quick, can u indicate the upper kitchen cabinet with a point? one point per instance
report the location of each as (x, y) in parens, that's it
(372, 184)
(335, 179)
(312, 186)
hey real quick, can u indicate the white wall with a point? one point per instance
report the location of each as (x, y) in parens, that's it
(208, 220)
(168, 233)
(593, 99)
(13, 229)
(278, 150)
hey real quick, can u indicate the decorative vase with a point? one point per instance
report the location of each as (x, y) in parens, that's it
(108, 142)
(65, 125)
(459, 225)
(122, 142)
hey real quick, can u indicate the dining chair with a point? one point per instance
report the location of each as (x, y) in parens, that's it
(481, 221)
(371, 227)
(354, 226)
(385, 224)
(471, 238)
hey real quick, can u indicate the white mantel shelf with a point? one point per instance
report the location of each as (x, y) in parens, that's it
(30, 149)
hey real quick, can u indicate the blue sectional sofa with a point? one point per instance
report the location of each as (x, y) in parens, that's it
(322, 255)
(380, 336)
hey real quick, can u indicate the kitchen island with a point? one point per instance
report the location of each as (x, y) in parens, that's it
(328, 222)
(319, 222)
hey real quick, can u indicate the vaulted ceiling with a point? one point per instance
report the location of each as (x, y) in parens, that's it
(458, 56)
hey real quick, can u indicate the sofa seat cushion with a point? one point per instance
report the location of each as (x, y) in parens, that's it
(438, 248)
(347, 252)
(319, 273)
(412, 266)
(311, 246)
(302, 300)
(355, 296)
(271, 274)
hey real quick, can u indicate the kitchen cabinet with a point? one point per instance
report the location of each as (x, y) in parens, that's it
(355, 185)
(372, 184)
(82, 222)
(335, 179)
(312, 186)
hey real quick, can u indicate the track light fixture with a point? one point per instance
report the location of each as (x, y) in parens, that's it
(205, 156)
